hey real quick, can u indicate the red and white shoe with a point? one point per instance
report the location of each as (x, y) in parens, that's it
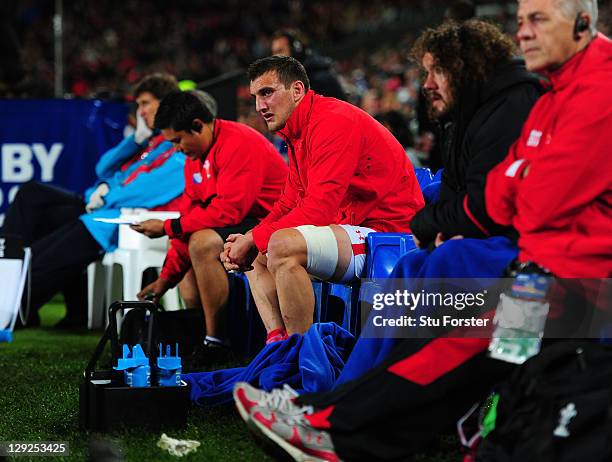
(247, 397)
(294, 434)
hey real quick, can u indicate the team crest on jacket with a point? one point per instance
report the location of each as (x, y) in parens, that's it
(534, 138)
(197, 178)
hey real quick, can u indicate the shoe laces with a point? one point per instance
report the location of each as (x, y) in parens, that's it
(282, 400)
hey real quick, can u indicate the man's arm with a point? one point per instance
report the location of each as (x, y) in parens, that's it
(569, 174)
(489, 144)
(289, 196)
(239, 183)
(112, 159)
(501, 186)
(151, 188)
(334, 158)
(177, 262)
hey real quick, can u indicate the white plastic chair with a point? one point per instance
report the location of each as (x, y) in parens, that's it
(135, 254)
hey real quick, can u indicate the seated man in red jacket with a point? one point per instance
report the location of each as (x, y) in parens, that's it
(555, 186)
(348, 177)
(233, 176)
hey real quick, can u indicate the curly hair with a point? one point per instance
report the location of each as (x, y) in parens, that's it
(467, 52)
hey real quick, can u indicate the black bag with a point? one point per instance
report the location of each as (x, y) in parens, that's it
(555, 407)
(185, 327)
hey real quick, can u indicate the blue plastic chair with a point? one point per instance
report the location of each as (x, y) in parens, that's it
(348, 295)
(320, 293)
(383, 252)
(423, 176)
(431, 191)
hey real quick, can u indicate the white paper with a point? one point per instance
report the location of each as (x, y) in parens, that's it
(118, 221)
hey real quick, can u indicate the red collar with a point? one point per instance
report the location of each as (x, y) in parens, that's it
(299, 117)
(581, 64)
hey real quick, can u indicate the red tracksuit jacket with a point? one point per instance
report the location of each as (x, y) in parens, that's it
(344, 168)
(242, 176)
(562, 209)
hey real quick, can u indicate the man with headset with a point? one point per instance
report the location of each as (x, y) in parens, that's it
(555, 186)
(233, 176)
(323, 78)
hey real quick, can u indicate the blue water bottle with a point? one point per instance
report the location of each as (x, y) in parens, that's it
(168, 367)
(135, 367)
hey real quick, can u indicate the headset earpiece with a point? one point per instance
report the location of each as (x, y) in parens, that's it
(580, 25)
(297, 46)
(298, 49)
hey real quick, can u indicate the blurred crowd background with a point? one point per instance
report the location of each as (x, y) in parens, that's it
(109, 45)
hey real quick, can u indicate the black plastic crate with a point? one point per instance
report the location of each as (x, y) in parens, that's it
(106, 404)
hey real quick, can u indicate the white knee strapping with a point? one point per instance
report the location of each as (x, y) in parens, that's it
(322, 249)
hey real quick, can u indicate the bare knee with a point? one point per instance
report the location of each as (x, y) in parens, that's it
(205, 244)
(260, 262)
(189, 291)
(191, 300)
(286, 248)
(260, 268)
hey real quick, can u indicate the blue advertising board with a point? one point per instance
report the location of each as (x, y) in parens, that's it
(55, 141)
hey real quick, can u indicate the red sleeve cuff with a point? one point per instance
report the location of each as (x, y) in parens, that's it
(173, 228)
(261, 236)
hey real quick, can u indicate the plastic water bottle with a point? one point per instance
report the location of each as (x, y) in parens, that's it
(168, 367)
(520, 317)
(135, 367)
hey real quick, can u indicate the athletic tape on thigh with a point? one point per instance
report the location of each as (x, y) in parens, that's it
(322, 249)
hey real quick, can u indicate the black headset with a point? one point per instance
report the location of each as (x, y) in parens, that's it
(581, 24)
(298, 49)
(297, 46)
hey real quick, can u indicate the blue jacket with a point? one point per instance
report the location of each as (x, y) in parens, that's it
(153, 180)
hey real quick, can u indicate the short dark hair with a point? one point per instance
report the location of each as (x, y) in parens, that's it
(158, 84)
(288, 69)
(179, 109)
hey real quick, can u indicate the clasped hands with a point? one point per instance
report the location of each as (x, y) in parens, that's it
(239, 252)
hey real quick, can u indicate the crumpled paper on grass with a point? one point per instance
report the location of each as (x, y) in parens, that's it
(176, 447)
